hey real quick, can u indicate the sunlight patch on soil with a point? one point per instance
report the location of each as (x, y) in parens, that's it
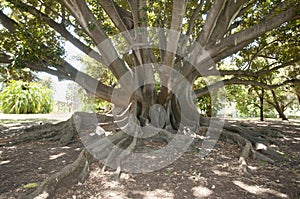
(53, 157)
(221, 173)
(112, 194)
(254, 189)
(201, 191)
(4, 162)
(155, 194)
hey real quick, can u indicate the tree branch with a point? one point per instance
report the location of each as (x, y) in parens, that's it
(65, 70)
(178, 11)
(194, 17)
(60, 28)
(219, 84)
(247, 73)
(210, 23)
(229, 13)
(7, 22)
(237, 41)
(119, 16)
(91, 26)
(5, 59)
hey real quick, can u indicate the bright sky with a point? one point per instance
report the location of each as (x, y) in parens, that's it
(60, 88)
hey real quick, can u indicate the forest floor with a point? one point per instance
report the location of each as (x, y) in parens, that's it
(24, 166)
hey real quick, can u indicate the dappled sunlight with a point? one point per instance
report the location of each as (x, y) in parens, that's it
(257, 190)
(277, 125)
(53, 157)
(155, 194)
(220, 173)
(252, 168)
(4, 162)
(287, 139)
(260, 146)
(225, 157)
(111, 194)
(65, 147)
(109, 188)
(12, 147)
(263, 125)
(77, 149)
(201, 191)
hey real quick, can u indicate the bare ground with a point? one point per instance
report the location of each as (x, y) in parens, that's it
(216, 176)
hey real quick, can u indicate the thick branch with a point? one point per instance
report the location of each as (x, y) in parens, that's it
(247, 73)
(174, 34)
(60, 29)
(119, 16)
(91, 26)
(7, 22)
(211, 22)
(219, 84)
(246, 36)
(178, 11)
(5, 59)
(65, 70)
(229, 13)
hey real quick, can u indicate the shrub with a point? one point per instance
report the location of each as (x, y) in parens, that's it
(25, 97)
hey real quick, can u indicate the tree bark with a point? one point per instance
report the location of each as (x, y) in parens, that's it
(278, 107)
(262, 104)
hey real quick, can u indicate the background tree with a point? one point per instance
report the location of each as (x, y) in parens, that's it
(277, 53)
(200, 34)
(247, 101)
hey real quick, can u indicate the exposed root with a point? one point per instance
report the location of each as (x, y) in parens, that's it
(245, 146)
(116, 148)
(123, 148)
(116, 151)
(77, 171)
(63, 132)
(253, 141)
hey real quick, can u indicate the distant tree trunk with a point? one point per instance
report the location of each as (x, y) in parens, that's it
(262, 105)
(298, 95)
(278, 107)
(209, 108)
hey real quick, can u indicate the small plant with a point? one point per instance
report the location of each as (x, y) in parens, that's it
(25, 97)
(30, 185)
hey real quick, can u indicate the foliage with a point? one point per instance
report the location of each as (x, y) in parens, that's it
(25, 97)
(247, 101)
(33, 41)
(46, 82)
(102, 74)
(42, 27)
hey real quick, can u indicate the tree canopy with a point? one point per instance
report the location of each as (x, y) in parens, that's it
(34, 32)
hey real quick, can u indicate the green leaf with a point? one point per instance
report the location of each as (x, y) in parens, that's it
(30, 185)
(24, 97)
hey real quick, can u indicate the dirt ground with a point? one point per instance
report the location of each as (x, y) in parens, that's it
(23, 166)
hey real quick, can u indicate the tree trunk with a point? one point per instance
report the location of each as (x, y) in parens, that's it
(298, 95)
(281, 114)
(278, 108)
(262, 105)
